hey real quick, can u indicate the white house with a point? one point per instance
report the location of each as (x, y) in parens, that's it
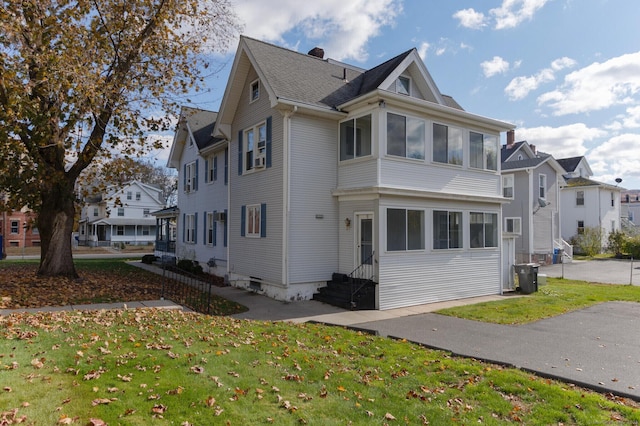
(531, 181)
(121, 215)
(587, 203)
(202, 164)
(334, 169)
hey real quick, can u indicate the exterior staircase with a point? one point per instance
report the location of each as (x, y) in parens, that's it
(347, 292)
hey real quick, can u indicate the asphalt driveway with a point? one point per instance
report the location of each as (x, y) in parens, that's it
(597, 347)
(609, 271)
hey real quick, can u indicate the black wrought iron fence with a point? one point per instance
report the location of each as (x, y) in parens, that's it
(188, 289)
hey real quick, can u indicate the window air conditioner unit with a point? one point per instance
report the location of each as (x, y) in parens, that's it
(220, 217)
(259, 162)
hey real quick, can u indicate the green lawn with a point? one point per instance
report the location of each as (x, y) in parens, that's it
(559, 296)
(150, 367)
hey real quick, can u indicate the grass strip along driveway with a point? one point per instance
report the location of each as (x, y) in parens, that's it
(558, 297)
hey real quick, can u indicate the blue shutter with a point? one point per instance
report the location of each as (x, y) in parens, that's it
(240, 152)
(226, 165)
(243, 216)
(195, 182)
(206, 170)
(225, 227)
(184, 227)
(215, 228)
(263, 220)
(268, 142)
(195, 228)
(215, 168)
(204, 240)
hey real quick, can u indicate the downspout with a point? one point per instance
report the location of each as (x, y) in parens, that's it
(531, 230)
(286, 173)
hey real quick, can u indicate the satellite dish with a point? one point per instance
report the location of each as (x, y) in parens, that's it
(618, 180)
(542, 202)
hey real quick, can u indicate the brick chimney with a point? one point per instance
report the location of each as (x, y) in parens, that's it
(533, 148)
(511, 138)
(317, 52)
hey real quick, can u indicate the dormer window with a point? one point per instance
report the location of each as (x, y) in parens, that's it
(254, 93)
(403, 85)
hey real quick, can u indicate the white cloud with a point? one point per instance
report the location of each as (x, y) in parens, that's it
(597, 86)
(519, 87)
(561, 142)
(469, 18)
(513, 12)
(422, 50)
(342, 28)
(497, 65)
(617, 157)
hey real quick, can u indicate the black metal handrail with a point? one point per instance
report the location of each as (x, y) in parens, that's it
(358, 278)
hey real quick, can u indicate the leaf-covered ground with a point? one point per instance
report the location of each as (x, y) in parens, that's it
(106, 281)
(144, 367)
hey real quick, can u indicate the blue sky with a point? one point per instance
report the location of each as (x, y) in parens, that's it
(565, 72)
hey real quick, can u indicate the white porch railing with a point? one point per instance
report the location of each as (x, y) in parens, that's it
(567, 250)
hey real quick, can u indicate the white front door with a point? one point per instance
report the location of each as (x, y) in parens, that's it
(364, 245)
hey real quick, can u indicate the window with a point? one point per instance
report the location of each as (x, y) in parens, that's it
(613, 200)
(253, 221)
(579, 198)
(405, 136)
(36, 231)
(190, 228)
(581, 227)
(129, 195)
(120, 211)
(507, 186)
(403, 85)
(513, 225)
(211, 166)
(145, 212)
(254, 92)
(138, 195)
(542, 185)
(483, 228)
(211, 229)
(483, 151)
(255, 146)
(95, 212)
(191, 176)
(145, 230)
(447, 229)
(15, 227)
(120, 230)
(355, 138)
(405, 230)
(447, 144)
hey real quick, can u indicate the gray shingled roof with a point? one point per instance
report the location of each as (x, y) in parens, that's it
(308, 79)
(570, 164)
(523, 164)
(505, 152)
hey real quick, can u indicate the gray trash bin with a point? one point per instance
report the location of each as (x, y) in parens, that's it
(527, 277)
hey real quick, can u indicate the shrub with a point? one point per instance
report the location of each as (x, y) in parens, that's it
(589, 242)
(632, 247)
(615, 242)
(149, 259)
(191, 266)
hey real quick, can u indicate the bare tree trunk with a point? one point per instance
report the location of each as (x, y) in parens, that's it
(55, 224)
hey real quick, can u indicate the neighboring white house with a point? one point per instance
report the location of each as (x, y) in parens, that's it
(332, 168)
(202, 164)
(121, 215)
(531, 181)
(587, 203)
